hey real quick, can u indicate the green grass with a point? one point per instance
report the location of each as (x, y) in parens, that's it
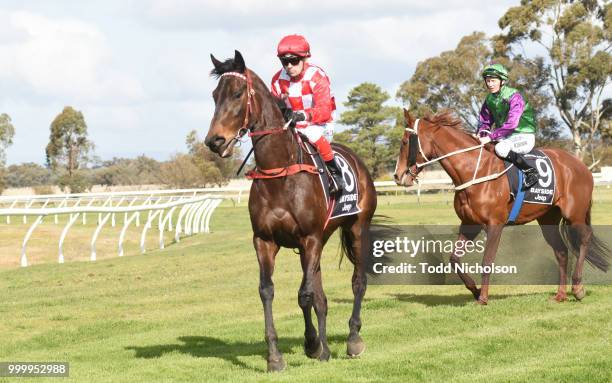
(192, 312)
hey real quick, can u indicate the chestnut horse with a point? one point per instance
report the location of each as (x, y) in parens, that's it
(487, 204)
(290, 209)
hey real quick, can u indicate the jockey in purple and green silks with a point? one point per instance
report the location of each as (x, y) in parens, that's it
(510, 120)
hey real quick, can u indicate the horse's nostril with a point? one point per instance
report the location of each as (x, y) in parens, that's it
(215, 142)
(395, 177)
(219, 141)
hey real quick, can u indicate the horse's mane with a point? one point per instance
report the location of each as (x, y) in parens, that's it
(228, 65)
(449, 119)
(445, 118)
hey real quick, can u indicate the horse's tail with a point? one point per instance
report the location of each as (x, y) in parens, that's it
(346, 245)
(598, 253)
(384, 227)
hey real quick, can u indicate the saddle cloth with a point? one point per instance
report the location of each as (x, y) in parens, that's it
(541, 192)
(345, 203)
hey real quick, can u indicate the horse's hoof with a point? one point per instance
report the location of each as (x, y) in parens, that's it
(481, 302)
(277, 365)
(325, 355)
(313, 352)
(476, 294)
(579, 292)
(559, 298)
(355, 348)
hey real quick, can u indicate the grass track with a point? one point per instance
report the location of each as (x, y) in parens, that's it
(192, 313)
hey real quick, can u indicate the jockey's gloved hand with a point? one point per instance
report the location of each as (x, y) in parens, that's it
(298, 116)
(285, 110)
(484, 139)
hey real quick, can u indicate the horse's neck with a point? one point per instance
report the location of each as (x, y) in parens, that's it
(461, 167)
(273, 150)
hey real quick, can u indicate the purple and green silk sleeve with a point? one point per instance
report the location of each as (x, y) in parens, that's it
(485, 121)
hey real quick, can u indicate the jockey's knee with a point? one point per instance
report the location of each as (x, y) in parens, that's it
(502, 149)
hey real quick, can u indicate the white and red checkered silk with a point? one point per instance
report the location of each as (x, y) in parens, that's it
(310, 93)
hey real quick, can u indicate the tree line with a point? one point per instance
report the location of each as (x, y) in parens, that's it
(567, 83)
(71, 165)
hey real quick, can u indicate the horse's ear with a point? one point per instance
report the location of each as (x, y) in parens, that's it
(240, 66)
(215, 62)
(407, 117)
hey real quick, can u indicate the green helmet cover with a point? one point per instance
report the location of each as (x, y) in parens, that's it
(495, 70)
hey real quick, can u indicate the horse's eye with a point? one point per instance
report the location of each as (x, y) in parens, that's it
(238, 94)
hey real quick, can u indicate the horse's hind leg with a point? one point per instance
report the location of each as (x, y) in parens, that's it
(585, 232)
(467, 233)
(549, 223)
(311, 294)
(357, 236)
(266, 254)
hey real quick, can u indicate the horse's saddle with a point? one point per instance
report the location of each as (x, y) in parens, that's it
(544, 190)
(345, 203)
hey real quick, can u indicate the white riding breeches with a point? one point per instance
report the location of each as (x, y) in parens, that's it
(314, 132)
(519, 143)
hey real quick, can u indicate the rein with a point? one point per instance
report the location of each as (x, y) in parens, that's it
(414, 141)
(262, 173)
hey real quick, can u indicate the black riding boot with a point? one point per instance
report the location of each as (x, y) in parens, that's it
(336, 174)
(530, 174)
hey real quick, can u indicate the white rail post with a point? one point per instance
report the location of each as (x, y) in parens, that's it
(123, 230)
(113, 215)
(27, 206)
(93, 199)
(71, 221)
(108, 200)
(125, 217)
(151, 216)
(146, 202)
(146, 228)
(209, 215)
(198, 215)
(178, 228)
(163, 226)
(24, 259)
(64, 201)
(95, 236)
(8, 217)
(189, 217)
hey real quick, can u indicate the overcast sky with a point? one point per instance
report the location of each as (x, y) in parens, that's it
(138, 70)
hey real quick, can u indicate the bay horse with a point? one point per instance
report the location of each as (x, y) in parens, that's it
(487, 204)
(289, 208)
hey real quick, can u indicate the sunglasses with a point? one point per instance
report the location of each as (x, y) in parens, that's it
(290, 60)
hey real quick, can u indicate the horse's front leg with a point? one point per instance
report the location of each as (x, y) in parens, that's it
(493, 237)
(311, 294)
(466, 233)
(266, 255)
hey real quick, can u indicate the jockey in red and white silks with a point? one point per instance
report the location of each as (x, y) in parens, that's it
(310, 93)
(305, 89)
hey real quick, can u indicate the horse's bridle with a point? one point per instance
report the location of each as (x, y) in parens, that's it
(413, 143)
(250, 93)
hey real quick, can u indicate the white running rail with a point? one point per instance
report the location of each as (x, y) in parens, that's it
(196, 211)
